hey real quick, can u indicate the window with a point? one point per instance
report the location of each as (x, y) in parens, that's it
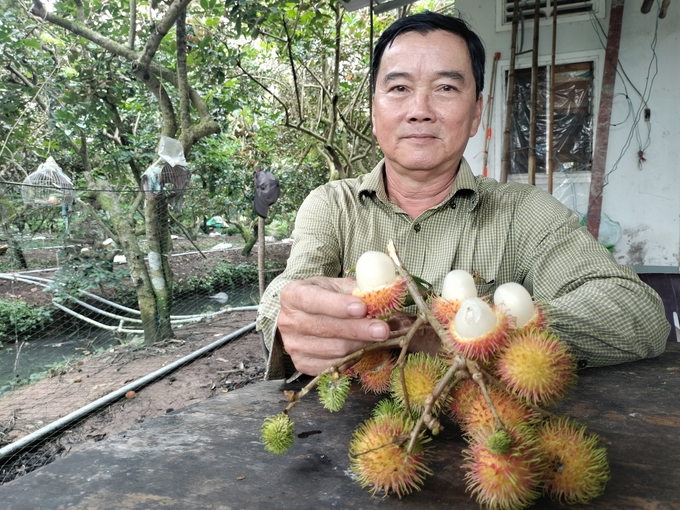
(573, 119)
(565, 9)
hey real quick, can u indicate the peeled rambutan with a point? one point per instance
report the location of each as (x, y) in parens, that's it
(536, 366)
(462, 396)
(458, 285)
(374, 370)
(378, 285)
(278, 433)
(478, 331)
(505, 481)
(480, 422)
(333, 390)
(422, 372)
(378, 455)
(578, 468)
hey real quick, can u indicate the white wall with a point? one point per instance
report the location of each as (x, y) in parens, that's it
(644, 199)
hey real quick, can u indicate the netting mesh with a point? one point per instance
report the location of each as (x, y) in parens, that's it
(71, 333)
(171, 181)
(48, 186)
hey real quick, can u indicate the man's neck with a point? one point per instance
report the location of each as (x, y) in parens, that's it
(416, 197)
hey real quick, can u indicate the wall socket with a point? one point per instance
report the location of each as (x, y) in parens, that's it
(648, 114)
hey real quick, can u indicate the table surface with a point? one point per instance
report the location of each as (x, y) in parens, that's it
(209, 456)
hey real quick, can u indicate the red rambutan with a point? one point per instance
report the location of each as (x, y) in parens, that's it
(478, 331)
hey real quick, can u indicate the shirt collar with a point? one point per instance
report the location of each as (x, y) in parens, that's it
(373, 183)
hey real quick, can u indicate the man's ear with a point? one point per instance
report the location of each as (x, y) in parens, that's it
(477, 118)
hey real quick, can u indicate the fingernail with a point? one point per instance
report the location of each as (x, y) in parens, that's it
(356, 310)
(378, 330)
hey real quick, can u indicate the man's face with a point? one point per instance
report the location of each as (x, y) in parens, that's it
(425, 107)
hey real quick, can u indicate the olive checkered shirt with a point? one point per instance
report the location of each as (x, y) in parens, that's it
(506, 233)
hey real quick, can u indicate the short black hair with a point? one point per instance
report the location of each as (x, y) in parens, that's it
(424, 23)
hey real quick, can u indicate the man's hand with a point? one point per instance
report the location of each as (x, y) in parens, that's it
(321, 322)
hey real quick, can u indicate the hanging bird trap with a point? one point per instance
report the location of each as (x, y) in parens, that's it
(48, 186)
(167, 175)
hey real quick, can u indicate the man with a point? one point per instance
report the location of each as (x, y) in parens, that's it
(428, 78)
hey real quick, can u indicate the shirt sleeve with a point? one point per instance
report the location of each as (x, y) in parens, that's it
(600, 308)
(315, 252)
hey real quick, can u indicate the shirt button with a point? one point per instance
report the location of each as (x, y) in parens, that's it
(416, 227)
(453, 205)
(582, 363)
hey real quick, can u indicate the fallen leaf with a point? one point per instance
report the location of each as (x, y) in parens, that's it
(240, 477)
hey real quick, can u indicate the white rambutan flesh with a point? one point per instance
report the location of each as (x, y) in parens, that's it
(374, 270)
(515, 301)
(478, 331)
(458, 285)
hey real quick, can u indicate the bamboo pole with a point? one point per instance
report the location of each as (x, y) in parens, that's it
(505, 158)
(533, 117)
(551, 128)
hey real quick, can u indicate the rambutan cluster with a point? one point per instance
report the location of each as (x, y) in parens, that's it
(498, 362)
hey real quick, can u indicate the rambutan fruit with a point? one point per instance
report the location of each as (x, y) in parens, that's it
(378, 285)
(505, 481)
(462, 396)
(387, 407)
(578, 468)
(478, 331)
(536, 366)
(278, 433)
(374, 370)
(333, 390)
(378, 455)
(422, 372)
(458, 285)
(480, 422)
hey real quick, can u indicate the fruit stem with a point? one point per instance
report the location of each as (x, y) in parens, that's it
(478, 377)
(457, 370)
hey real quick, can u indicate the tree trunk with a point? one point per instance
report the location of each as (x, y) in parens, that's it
(157, 237)
(15, 250)
(141, 281)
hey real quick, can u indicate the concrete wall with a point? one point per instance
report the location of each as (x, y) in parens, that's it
(643, 197)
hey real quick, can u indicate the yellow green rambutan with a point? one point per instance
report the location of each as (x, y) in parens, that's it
(374, 370)
(536, 366)
(333, 390)
(505, 481)
(578, 468)
(480, 422)
(422, 372)
(278, 433)
(379, 459)
(478, 331)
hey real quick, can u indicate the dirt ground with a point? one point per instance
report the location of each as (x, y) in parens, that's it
(227, 368)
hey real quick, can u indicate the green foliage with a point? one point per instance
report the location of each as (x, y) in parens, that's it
(222, 276)
(19, 319)
(84, 273)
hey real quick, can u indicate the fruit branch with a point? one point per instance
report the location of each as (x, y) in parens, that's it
(454, 372)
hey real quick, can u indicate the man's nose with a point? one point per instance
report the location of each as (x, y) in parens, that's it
(421, 106)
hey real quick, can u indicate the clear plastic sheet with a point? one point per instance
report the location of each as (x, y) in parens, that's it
(573, 122)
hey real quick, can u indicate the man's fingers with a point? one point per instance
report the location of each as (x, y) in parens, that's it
(323, 297)
(322, 326)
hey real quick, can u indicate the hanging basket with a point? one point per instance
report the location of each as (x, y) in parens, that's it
(48, 186)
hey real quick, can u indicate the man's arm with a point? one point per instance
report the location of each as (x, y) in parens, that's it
(600, 308)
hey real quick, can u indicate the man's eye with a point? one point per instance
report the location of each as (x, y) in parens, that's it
(448, 88)
(399, 88)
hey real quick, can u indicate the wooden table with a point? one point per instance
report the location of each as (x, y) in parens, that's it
(209, 456)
